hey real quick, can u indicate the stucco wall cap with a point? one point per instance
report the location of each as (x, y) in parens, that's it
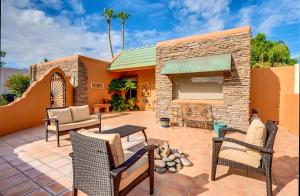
(244, 29)
(69, 58)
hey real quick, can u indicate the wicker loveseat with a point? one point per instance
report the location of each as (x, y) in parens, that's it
(102, 168)
(64, 119)
(254, 154)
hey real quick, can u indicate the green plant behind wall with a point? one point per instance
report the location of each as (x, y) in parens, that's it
(267, 53)
(17, 84)
(3, 101)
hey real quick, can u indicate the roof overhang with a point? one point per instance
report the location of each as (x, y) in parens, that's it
(134, 59)
(213, 63)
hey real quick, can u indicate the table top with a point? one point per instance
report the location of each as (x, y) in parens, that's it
(125, 130)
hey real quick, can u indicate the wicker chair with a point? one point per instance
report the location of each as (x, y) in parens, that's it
(94, 172)
(265, 167)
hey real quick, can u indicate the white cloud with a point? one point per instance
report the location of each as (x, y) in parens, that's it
(268, 15)
(29, 35)
(54, 4)
(198, 16)
(245, 15)
(77, 6)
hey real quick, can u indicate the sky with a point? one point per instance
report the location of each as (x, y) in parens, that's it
(32, 30)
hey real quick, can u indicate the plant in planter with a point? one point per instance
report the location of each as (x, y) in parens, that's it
(118, 100)
(121, 86)
(131, 103)
(118, 103)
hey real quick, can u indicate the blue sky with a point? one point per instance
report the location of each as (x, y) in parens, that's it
(32, 30)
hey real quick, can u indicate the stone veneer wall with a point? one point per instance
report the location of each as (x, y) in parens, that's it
(74, 69)
(236, 89)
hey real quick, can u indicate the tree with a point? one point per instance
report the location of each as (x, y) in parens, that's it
(46, 60)
(18, 84)
(267, 53)
(123, 16)
(108, 15)
(2, 54)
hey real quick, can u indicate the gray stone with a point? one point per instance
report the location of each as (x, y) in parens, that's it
(174, 151)
(178, 155)
(156, 154)
(179, 151)
(172, 169)
(161, 170)
(178, 161)
(159, 163)
(165, 150)
(172, 157)
(171, 164)
(166, 159)
(178, 166)
(186, 162)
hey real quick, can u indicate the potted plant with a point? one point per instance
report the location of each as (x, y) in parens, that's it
(164, 121)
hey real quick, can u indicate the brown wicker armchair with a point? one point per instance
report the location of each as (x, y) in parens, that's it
(94, 171)
(265, 165)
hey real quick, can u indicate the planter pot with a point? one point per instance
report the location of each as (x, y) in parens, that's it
(218, 126)
(165, 122)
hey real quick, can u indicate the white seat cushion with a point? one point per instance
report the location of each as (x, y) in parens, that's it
(80, 113)
(114, 143)
(237, 153)
(135, 170)
(63, 115)
(256, 135)
(75, 125)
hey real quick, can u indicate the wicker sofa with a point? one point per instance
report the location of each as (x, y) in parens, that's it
(64, 119)
(254, 154)
(101, 167)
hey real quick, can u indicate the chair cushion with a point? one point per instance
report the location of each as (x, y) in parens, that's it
(63, 115)
(114, 143)
(80, 113)
(75, 125)
(256, 135)
(135, 170)
(237, 153)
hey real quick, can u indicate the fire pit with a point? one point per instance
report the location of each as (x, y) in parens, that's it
(172, 160)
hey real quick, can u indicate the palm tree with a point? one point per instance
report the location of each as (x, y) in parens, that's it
(123, 16)
(109, 14)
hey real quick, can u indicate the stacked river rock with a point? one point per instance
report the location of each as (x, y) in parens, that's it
(167, 159)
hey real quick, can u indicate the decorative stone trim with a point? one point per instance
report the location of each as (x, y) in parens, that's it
(74, 69)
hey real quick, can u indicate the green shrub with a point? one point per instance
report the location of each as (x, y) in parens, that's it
(3, 101)
(118, 103)
(17, 84)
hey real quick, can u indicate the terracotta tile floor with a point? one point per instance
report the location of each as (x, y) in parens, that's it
(30, 166)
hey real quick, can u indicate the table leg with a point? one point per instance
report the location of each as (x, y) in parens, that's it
(145, 135)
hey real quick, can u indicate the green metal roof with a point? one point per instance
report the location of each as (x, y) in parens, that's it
(198, 64)
(135, 58)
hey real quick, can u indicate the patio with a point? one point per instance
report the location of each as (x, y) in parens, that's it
(29, 165)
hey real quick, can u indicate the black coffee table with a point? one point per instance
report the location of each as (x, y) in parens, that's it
(126, 130)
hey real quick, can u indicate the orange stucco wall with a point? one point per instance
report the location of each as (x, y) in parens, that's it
(96, 70)
(29, 110)
(272, 94)
(145, 75)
